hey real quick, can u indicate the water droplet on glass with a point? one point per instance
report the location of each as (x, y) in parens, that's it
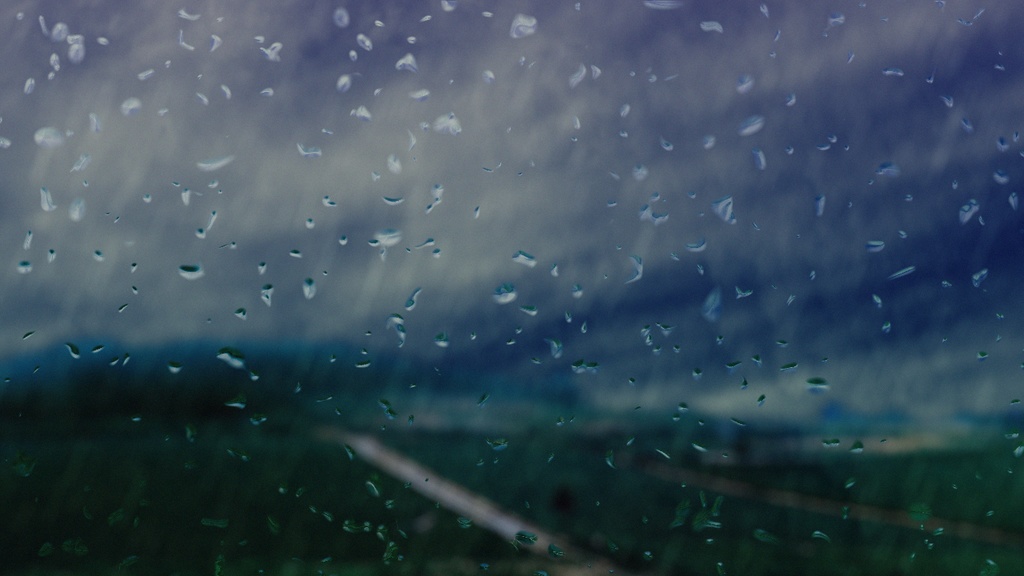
(744, 84)
(638, 269)
(505, 293)
(967, 211)
(214, 163)
(46, 199)
(272, 52)
(888, 169)
(902, 272)
(662, 4)
(49, 137)
(407, 63)
(978, 277)
(387, 237)
(190, 271)
(760, 162)
(711, 26)
(76, 211)
(131, 106)
(751, 126)
(525, 259)
(523, 26)
(341, 18)
(723, 208)
(448, 124)
(711, 309)
(76, 52)
(308, 152)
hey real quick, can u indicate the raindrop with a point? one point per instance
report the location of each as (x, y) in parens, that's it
(902, 272)
(723, 208)
(131, 106)
(407, 63)
(341, 18)
(662, 4)
(191, 271)
(967, 211)
(272, 52)
(448, 124)
(505, 293)
(76, 52)
(888, 169)
(523, 26)
(49, 137)
(214, 163)
(978, 277)
(711, 309)
(638, 269)
(525, 259)
(577, 76)
(309, 152)
(751, 126)
(760, 162)
(76, 211)
(744, 84)
(387, 237)
(410, 302)
(82, 163)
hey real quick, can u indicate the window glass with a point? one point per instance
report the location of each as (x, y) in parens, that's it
(459, 286)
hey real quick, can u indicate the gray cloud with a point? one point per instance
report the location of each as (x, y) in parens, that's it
(567, 196)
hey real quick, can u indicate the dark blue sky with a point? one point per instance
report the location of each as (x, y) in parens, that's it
(522, 176)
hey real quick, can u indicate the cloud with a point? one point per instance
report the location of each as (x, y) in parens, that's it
(522, 176)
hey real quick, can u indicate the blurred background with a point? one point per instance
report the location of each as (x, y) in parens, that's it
(371, 288)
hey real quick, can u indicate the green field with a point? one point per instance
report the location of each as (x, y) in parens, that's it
(113, 481)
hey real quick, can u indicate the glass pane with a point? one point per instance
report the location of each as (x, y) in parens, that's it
(450, 287)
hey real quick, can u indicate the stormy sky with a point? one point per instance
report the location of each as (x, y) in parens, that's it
(792, 158)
